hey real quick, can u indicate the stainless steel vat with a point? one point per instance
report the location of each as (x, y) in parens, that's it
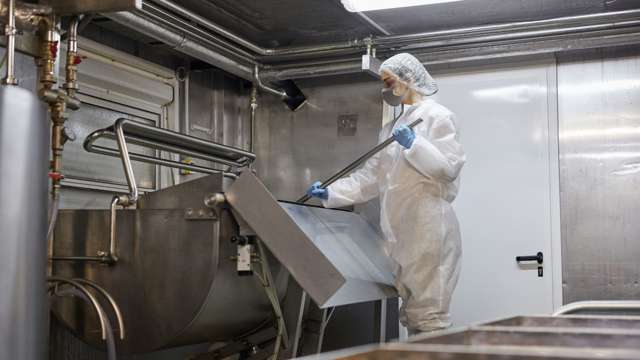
(174, 279)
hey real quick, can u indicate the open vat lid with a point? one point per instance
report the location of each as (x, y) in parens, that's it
(335, 256)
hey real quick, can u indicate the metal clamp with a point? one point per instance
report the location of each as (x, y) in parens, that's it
(125, 131)
(599, 306)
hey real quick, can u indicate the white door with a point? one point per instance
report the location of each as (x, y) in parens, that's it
(508, 203)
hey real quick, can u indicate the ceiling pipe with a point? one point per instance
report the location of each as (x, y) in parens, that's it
(294, 101)
(588, 31)
(182, 42)
(445, 58)
(188, 44)
(157, 14)
(398, 42)
(256, 80)
(248, 44)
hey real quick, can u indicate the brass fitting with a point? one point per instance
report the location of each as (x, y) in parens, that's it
(47, 62)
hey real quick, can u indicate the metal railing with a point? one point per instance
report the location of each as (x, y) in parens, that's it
(126, 131)
(626, 307)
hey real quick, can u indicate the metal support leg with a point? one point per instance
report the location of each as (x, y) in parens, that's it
(298, 333)
(383, 320)
(323, 326)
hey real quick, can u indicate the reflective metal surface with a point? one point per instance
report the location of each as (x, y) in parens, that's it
(92, 6)
(599, 109)
(216, 109)
(334, 255)
(601, 307)
(296, 148)
(125, 131)
(292, 22)
(23, 224)
(167, 260)
(178, 41)
(516, 338)
(551, 337)
(568, 321)
(458, 352)
(84, 166)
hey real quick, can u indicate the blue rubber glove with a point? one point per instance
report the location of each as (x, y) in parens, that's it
(316, 191)
(404, 135)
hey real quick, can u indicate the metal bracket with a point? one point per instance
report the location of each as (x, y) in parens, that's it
(200, 214)
(371, 65)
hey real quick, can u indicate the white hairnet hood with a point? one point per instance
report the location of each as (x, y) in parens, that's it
(410, 70)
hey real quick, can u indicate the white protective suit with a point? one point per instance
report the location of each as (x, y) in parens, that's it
(416, 187)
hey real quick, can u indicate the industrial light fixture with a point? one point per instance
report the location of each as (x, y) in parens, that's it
(369, 5)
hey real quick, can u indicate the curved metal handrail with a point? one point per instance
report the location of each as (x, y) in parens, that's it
(618, 305)
(110, 299)
(125, 131)
(94, 302)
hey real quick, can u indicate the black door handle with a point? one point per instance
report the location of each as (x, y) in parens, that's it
(538, 257)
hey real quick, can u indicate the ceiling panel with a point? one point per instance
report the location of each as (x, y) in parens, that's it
(481, 12)
(276, 23)
(279, 23)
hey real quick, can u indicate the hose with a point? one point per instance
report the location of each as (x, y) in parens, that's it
(269, 288)
(4, 60)
(110, 341)
(53, 216)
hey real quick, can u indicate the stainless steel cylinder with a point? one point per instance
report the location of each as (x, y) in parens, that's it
(23, 225)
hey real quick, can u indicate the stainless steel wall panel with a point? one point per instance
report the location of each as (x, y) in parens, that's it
(296, 148)
(217, 109)
(599, 115)
(81, 165)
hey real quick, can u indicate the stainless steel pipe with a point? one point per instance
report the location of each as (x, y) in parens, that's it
(114, 305)
(183, 43)
(10, 31)
(247, 44)
(256, 80)
(499, 38)
(155, 13)
(163, 139)
(400, 41)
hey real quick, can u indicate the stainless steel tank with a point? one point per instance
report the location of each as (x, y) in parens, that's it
(24, 135)
(174, 280)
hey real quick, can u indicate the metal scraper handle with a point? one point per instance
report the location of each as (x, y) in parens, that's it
(356, 163)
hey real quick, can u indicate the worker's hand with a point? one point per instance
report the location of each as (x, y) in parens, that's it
(404, 135)
(316, 191)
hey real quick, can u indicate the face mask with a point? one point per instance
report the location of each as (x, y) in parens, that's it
(391, 98)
